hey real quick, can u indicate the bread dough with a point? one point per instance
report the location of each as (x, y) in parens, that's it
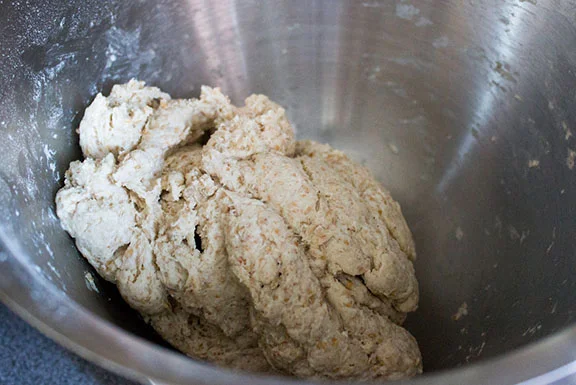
(253, 251)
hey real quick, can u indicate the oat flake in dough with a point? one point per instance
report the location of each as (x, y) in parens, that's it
(254, 251)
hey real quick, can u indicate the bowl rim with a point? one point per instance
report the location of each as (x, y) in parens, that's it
(45, 307)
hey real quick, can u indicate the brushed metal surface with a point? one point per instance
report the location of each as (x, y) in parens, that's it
(463, 109)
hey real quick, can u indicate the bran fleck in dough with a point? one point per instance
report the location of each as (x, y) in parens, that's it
(254, 251)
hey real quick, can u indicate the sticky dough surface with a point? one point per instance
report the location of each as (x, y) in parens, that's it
(253, 251)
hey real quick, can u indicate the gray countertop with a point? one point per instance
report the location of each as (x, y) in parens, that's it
(27, 357)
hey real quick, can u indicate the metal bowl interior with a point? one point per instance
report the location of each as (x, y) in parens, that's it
(464, 110)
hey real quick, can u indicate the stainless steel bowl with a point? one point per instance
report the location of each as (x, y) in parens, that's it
(464, 109)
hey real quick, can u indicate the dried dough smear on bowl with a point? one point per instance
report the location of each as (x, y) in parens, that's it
(239, 244)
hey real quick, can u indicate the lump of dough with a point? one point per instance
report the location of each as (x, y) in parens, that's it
(96, 212)
(113, 124)
(253, 251)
